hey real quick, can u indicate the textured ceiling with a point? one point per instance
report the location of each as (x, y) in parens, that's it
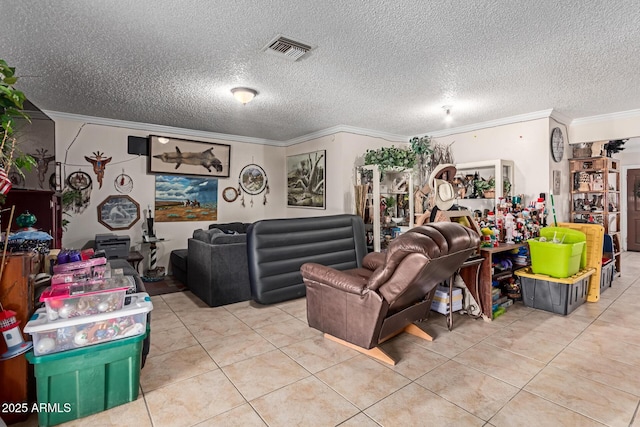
(387, 66)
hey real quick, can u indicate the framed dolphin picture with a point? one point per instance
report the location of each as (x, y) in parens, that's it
(185, 157)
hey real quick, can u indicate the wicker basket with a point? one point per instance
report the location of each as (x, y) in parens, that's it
(582, 150)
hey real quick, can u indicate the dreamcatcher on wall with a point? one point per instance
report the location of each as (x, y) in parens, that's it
(123, 183)
(253, 181)
(77, 194)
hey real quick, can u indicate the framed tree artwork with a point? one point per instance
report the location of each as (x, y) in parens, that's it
(306, 180)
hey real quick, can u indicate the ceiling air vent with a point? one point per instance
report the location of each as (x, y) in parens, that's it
(285, 47)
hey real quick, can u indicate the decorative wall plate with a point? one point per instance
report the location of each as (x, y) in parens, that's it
(229, 194)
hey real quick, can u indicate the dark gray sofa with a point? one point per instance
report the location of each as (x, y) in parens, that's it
(278, 247)
(217, 264)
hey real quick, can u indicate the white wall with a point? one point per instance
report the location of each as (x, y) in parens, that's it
(619, 126)
(113, 142)
(525, 143)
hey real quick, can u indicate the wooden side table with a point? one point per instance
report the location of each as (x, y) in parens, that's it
(134, 258)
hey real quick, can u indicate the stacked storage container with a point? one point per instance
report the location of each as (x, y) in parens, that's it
(557, 280)
(87, 341)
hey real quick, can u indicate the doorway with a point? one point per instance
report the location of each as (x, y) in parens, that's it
(633, 209)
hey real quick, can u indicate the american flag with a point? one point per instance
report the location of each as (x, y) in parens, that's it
(5, 182)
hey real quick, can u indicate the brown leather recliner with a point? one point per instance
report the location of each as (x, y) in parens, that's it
(363, 307)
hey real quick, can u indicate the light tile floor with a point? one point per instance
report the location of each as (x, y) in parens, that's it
(244, 365)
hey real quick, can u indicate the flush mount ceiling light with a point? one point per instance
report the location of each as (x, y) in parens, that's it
(243, 94)
(163, 140)
(447, 109)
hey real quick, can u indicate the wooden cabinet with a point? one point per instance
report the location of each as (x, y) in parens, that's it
(487, 275)
(17, 294)
(595, 196)
(395, 185)
(44, 204)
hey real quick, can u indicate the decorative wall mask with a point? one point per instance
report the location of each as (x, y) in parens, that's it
(42, 163)
(99, 162)
(253, 181)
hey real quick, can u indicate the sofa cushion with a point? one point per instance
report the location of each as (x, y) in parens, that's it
(207, 236)
(238, 227)
(178, 258)
(223, 239)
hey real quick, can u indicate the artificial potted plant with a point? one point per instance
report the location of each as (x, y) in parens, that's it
(11, 108)
(390, 158)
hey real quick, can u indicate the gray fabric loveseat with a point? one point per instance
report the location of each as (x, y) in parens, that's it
(217, 264)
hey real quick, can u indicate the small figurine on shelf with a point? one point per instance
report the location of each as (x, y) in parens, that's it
(10, 329)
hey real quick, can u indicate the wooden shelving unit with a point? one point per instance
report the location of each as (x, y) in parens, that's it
(596, 197)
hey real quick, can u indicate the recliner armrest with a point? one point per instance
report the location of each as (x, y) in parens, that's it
(373, 260)
(334, 278)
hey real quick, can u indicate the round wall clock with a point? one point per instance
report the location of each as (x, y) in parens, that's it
(229, 194)
(557, 144)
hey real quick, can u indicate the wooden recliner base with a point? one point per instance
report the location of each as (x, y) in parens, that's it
(377, 352)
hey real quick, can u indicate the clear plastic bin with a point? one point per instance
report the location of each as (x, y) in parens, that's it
(66, 334)
(84, 298)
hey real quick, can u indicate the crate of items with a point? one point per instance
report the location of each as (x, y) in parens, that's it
(84, 298)
(606, 275)
(440, 301)
(52, 336)
(559, 252)
(86, 381)
(557, 295)
(595, 238)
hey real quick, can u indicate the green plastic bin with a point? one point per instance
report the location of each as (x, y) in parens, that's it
(555, 259)
(77, 383)
(570, 236)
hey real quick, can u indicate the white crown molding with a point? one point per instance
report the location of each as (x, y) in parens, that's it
(347, 129)
(153, 128)
(561, 118)
(536, 115)
(629, 114)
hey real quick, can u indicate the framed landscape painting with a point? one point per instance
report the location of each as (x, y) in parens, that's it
(306, 180)
(184, 157)
(182, 198)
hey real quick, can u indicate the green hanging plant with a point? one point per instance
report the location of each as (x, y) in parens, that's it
(421, 146)
(390, 157)
(11, 108)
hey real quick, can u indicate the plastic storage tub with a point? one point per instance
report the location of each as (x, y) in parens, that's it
(567, 235)
(84, 298)
(67, 334)
(555, 259)
(85, 381)
(560, 296)
(606, 276)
